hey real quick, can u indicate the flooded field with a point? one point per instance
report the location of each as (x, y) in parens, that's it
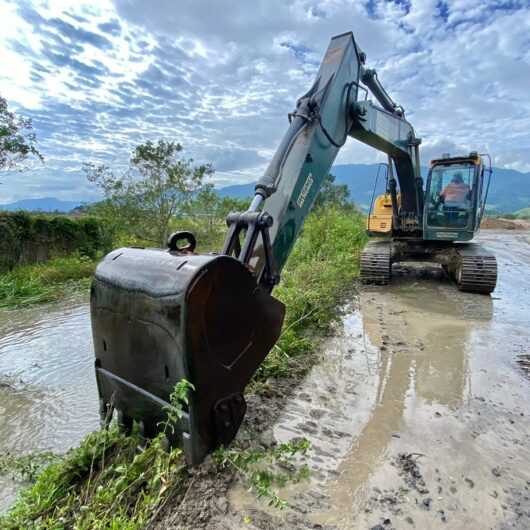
(418, 414)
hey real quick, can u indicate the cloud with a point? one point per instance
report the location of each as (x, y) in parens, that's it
(98, 78)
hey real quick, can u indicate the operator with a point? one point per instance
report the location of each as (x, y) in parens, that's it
(456, 191)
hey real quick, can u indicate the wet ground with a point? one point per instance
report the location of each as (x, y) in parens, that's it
(418, 414)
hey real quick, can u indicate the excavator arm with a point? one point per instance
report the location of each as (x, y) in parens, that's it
(319, 126)
(162, 316)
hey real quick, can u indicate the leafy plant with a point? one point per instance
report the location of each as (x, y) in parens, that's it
(259, 468)
(177, 399)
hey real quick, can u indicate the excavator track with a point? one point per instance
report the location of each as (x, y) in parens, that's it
(376, 262)
(477, 272)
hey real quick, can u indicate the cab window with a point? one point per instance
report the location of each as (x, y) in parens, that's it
(449, 201)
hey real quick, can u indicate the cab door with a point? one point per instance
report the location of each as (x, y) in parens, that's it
(450, 200)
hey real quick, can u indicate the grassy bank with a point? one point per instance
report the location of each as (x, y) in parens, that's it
(45, 282)
(110, 483)
(320, 273)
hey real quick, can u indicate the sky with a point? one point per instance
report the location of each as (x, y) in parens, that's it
(98, 78)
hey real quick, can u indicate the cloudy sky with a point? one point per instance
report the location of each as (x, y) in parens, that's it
(98, 78)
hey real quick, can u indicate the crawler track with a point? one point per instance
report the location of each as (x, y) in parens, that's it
(477, 273)
(376, 263)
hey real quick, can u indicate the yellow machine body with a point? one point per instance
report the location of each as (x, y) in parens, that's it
(379, 220)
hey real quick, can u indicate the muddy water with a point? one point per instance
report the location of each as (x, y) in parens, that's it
(48, 396)
(417, 369)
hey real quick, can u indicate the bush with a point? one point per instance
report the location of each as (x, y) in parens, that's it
(28, 238)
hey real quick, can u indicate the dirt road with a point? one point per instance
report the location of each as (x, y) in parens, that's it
(418, 414)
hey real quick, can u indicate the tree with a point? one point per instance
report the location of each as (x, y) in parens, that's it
(333, 194)
(205, 206)
(146, 197)
(17, 139)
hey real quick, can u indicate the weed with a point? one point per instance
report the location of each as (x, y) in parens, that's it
(259, 468)
(25, 468)
(109, 481)
(177, 399)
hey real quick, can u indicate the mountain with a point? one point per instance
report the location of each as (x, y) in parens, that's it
(238, 191)
(49, 204)
(509, 189)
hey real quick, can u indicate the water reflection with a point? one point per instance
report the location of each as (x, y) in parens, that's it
(423, 331)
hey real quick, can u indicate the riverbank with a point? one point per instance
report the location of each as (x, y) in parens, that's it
(50, 281)
(319, 275)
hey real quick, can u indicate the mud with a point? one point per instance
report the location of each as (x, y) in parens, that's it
(418, 413)
(499, 223)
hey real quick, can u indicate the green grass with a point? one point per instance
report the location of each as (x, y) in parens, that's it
(320, 272)
(108, 482)
(45, 282)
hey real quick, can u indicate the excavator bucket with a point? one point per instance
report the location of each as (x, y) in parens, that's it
(162, 316)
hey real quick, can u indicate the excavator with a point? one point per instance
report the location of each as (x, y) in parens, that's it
(448, 216)
(161, 316)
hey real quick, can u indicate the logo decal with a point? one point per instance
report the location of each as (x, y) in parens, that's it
(305, 190)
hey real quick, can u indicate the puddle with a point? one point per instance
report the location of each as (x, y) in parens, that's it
(420, 369)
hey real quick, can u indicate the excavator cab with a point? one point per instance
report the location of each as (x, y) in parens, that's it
(454, 198)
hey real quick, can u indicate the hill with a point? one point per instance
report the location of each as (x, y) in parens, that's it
(48, 204)
(509, 190)
(524, 213)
